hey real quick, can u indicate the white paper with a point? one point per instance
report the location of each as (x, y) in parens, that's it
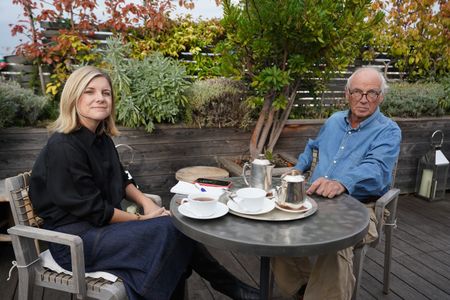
(187, 188)
(49, 263)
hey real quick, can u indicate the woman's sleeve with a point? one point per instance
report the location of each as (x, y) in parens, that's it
(72, 186)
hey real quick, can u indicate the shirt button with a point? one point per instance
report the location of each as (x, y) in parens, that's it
(349, 132)
(326, 176)
(334, 161)
(342, 147)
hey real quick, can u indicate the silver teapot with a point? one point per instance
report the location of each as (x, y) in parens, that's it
(260, 173)
(291, 193)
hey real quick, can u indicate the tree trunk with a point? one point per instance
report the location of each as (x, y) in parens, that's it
(279, 123)
(271, 121)
(256, 134)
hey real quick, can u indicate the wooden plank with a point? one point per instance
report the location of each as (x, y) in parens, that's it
(436, 263)
(405, 283)
(411, 230)
(373, 289)
(428, 274)
(198, 288)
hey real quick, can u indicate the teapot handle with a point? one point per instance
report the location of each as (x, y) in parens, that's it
(244, 169)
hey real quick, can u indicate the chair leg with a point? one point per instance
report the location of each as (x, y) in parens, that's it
(26, 287)
(358, 263)
(387, 257)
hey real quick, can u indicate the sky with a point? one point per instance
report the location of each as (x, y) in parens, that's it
(11, 13)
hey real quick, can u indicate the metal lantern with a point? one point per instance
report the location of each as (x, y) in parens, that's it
(432, 171)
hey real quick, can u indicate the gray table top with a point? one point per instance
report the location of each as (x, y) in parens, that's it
(339, 223)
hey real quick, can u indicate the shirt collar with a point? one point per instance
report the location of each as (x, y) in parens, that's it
(366, 121)
(86, 136)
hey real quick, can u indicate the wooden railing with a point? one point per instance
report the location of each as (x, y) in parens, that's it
(169, 148)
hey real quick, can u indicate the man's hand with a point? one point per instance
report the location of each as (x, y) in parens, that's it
(326, 187)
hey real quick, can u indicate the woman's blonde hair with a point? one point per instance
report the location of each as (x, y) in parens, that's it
(77, 82)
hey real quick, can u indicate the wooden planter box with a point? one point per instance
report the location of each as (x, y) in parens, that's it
(229, 163)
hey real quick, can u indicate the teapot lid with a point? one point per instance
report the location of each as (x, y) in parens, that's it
(261, 160)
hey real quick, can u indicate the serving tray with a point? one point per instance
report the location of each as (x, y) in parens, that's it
(275, 214)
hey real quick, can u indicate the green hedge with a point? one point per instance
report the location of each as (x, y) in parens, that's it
(20, 106)
(415, 100)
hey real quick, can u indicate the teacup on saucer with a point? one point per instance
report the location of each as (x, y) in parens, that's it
(202, 204)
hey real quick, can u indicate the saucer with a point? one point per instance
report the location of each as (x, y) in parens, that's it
(307, 205)
(185, 210)
(267, 206)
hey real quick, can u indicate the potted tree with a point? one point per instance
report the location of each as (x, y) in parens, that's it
(280, 46)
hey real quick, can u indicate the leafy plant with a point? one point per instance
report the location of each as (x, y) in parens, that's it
(148, 90)
(19, 106)
(415, 35)
(217, 102)
(279, 45)
(413, 100)
(178, 36)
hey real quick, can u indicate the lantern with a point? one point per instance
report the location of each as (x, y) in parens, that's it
(432, 171)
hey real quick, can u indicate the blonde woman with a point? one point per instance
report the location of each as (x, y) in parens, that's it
(77, 185)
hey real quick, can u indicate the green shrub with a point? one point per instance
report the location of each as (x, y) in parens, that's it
(20, 106)
(414, 100)
(148, 90)
(217, 102)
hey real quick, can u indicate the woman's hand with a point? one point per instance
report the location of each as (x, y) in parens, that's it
(154, 213)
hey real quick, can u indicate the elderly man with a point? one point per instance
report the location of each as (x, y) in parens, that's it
(358, 149)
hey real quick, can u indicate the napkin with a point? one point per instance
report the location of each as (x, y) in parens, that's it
(49, 263)
(187, 188)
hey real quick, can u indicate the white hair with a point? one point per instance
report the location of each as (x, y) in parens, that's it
(384, 86)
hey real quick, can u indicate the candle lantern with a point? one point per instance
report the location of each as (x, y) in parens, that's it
(432, 170)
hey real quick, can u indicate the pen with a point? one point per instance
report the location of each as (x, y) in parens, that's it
(199, 187)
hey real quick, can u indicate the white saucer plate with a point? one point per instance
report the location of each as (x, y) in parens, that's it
(185, 210)
(267, 206)
(307, 205)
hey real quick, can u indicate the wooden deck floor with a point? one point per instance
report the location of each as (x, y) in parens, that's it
(420, 267)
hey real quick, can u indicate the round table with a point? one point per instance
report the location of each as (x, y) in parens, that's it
(339, 223)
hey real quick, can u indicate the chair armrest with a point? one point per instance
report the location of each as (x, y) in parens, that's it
(387, 197)
(155, 198)
(73, 241)
(389, 201)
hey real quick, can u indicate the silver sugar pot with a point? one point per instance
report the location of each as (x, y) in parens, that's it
(291, 193)
(260, 173)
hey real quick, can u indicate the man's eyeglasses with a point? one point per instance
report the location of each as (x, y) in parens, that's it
(371, 95)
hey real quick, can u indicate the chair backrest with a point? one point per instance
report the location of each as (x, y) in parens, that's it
(126, 155)
(21, 207)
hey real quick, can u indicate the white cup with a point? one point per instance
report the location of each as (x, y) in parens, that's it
(250, 199)
(202, 204)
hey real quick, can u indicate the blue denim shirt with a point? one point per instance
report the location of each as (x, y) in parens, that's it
(362, 158)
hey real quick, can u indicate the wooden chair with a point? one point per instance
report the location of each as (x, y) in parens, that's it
(386, 215)
(31, 273)
(126, 156)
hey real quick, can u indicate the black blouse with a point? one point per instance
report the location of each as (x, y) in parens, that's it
(77, 177)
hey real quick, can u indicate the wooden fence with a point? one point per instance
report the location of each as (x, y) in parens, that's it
(169, 148)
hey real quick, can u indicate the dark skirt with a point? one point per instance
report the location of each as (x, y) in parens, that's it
(150, 256)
